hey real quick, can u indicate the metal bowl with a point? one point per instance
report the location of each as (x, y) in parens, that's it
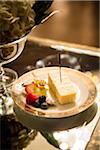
(10, 51)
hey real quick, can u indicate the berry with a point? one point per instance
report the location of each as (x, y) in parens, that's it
(36, 104)
(44, 105)
(29, 88)
(31, 98)
(42, 99)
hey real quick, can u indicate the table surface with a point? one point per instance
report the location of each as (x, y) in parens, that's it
(33, 52)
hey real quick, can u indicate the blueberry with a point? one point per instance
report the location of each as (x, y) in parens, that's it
(42, 99)
(44, 105)
(36, 104)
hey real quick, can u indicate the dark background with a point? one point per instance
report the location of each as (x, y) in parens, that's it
(76, 22)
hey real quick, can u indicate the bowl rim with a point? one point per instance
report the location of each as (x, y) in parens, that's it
(14, 42)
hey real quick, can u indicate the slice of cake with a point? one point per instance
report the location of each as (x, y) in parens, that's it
(63, 90)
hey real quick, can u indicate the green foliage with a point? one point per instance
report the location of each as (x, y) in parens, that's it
(16, 20)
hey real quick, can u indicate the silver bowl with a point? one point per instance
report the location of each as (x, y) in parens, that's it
(10, 51)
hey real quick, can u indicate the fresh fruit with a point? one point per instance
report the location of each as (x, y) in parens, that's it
(37, 104)
(37, 87)
(40, 83)
(42, 99)
(44, 105)
(29, 88)
(36, 94)
(31, 98)
(39, 91)
(40, 87)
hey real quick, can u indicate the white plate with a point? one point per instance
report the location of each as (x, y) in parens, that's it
(85, 98)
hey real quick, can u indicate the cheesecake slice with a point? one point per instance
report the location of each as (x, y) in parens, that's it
(64, 90)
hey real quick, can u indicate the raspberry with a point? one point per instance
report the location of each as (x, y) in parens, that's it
(31, 98)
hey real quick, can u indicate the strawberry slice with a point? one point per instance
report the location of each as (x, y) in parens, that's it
(31, 98)
(29, 88)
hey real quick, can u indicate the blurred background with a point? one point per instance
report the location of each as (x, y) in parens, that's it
(76, 22)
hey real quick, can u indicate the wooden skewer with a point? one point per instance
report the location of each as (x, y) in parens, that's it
(60, 67)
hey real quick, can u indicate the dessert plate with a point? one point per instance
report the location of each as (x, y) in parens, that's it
(86, 94)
